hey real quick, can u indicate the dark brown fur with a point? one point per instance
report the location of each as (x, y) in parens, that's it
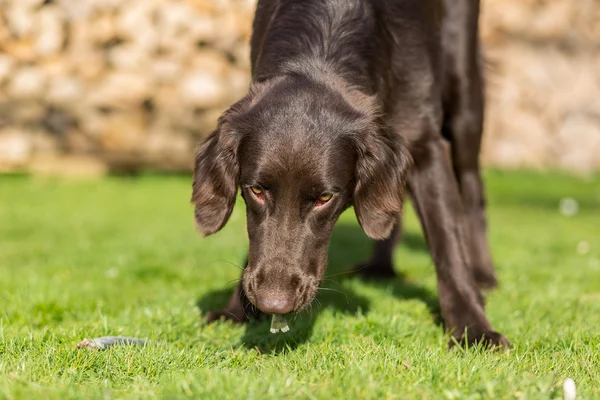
(355, 98)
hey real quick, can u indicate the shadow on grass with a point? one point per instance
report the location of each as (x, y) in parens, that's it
(348, 247)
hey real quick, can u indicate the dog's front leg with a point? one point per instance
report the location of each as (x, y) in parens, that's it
(238, 309)
(381, 263)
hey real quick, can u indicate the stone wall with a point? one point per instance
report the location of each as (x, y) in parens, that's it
(543, 83)
(88, 86)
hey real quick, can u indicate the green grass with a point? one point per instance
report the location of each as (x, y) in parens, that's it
(121, 256)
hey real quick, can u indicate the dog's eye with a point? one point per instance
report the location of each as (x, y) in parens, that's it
(257, 190)
(324, 198)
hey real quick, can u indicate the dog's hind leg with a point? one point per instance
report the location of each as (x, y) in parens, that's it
(463, 125)
(439, 207)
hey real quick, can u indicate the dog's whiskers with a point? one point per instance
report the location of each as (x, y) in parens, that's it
(319, 302)
(335, 290)
(226, 262)
(245, 308)
(349, 272)
(237, 280)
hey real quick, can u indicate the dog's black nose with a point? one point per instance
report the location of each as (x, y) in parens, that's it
(274, 304)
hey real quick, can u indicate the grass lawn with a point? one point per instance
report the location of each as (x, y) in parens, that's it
(121, 256)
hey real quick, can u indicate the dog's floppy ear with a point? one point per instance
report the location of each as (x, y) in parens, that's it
(217, 169)
(382, 167)
(215, 183)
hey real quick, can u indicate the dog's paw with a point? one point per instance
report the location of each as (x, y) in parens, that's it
(485, 338)
(370, 270)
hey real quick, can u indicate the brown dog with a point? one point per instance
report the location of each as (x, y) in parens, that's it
(349, 101)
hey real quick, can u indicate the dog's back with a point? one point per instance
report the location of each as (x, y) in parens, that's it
(380, 46)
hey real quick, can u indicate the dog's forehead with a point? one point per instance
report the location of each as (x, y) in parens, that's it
(296, 107)
(297, 154)
(304, 159)
(298, 132)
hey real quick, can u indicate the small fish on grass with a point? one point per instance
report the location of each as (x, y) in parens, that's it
(104, 342)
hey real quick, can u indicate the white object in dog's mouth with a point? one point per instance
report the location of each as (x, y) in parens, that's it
(279, 323)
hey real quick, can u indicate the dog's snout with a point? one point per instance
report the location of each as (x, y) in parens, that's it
(278, 289)
(274, 303)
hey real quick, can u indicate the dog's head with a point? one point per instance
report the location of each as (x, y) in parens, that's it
(301, 152)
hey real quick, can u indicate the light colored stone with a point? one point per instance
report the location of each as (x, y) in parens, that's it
(26, 111)
(89, 65)
(146, 38)
(15, 148)
(578, 145)
(165, 70)
(207, 121)
(109, 5)
(120, 89)
(49, 31)
(229, 30)
(7, 64)
(86, 60)
(77, 143)
(203, 30)
(27, 83)
(170, 152)
(210, 62)
(517, 142)
(202, 89)
(103, 28)
(130, 58)
(238, 80)
(176, 19)
(21, 19)
(122, 132)
(163, 145)
(553, 19)
(65, 90)
(28, 4)
(209, 7)
(178, 50)
(77, 10)
(241, 53)
(44, 143)
(136, 17)
(5, 33)
(21, 50)
(55, 66)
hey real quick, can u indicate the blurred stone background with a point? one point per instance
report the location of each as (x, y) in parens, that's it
(92, 86)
